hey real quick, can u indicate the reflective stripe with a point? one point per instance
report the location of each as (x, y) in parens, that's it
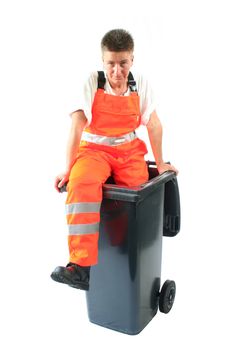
(83, 207)
(109, 141)
(83, 229)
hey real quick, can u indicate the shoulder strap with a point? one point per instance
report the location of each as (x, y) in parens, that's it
(101, 80)
(132, 83)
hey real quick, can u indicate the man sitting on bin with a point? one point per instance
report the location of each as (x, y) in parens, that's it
(103, 142)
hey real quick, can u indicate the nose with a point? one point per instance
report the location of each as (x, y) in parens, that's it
(117, 70)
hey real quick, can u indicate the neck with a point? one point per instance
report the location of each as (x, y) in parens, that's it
(120, 88)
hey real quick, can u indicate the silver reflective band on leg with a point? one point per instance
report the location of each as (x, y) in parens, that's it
(83, 207)
(83, 229)
(108, 141)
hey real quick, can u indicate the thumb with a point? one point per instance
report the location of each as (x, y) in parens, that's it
(64, 179)
(62, 182)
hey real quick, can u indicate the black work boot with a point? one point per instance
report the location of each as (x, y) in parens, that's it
(74, 275)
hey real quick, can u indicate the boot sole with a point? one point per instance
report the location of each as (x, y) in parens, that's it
(63, 279)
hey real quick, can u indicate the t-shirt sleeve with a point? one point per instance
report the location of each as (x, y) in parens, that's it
(147, 99)
(85, 96)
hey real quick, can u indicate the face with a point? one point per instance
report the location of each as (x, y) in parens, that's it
(117, 66)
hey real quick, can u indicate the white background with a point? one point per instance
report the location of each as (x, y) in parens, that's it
(186, 49)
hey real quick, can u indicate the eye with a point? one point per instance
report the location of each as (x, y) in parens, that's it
(124, 63)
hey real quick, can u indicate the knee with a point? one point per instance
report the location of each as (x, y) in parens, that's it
(84, 190)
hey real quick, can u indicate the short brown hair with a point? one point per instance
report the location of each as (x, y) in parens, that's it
(117, 40)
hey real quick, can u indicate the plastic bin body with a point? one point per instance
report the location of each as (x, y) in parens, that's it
(125, 284)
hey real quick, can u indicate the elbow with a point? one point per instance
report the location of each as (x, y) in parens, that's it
(154, 123)
(79, 119)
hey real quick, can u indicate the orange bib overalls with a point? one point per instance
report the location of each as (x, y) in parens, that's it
(109, 147)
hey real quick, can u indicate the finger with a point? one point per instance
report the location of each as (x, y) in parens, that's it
(56, 184)
(175, 170)
(62, 182)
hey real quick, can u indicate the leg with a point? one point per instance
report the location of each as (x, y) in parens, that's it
(131, 170)
(83, 206)
(83, 202)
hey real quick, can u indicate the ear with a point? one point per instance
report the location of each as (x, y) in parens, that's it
(132, 58)
(103, 63)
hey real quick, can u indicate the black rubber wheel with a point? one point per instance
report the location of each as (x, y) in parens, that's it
(167, 296)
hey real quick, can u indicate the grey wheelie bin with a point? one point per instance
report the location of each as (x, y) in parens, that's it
(125, 286)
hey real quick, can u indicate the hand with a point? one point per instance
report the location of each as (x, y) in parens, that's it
(60, 180)
(166, 167)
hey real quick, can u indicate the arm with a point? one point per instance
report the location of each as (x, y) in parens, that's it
(155, 132)
(79, 121)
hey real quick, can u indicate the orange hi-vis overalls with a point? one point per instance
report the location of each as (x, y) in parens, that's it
(109, 146)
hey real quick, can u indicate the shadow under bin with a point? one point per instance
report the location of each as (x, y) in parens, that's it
(124, 292)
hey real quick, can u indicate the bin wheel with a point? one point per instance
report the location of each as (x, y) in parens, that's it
(167, 296)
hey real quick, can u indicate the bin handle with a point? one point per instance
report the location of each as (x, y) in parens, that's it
(161, 178)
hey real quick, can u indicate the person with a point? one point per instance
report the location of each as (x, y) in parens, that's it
(103, 142)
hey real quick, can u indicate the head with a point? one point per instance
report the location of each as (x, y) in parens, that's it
(117, 52)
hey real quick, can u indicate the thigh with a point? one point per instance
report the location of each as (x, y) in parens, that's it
(90, 166)
(87, 175)
(131, 171)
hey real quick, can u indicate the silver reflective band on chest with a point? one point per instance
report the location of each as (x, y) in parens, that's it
(108, 141)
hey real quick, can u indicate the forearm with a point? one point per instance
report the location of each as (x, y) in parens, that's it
(155, 132)
(78, 123)
(71, 149)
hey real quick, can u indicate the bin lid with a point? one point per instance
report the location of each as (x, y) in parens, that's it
(136, 193)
